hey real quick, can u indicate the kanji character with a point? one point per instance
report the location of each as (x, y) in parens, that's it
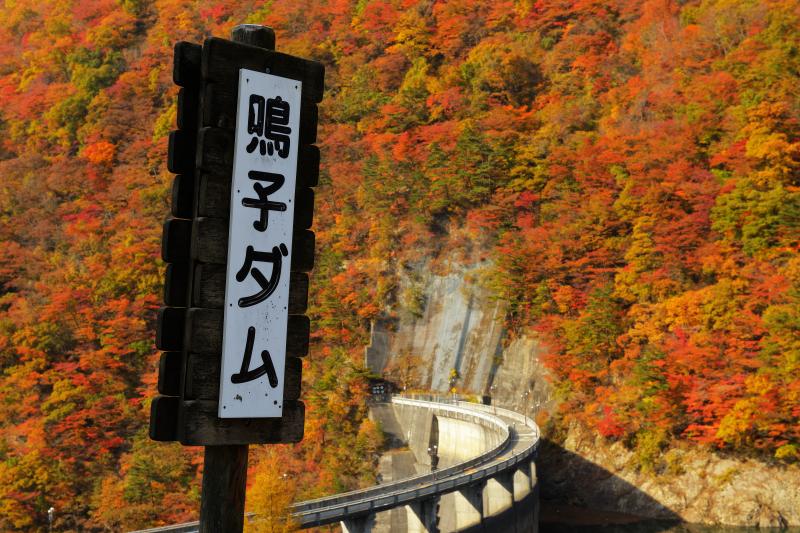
(263, 202)
(269, 119)
(255, 123)
(277, 128)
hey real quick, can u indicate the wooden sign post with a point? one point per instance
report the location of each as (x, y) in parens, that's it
(238, 249)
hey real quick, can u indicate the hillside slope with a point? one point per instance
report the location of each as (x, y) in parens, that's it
(630, 168)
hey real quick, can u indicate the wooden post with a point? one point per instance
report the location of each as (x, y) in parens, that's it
(224, 481)
(254, 35)
(225, 467)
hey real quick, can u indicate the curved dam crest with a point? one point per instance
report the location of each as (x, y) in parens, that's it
(413, 432)
(497, 490)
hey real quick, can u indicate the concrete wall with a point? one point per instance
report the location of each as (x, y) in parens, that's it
(521, 518)
(460, 328)
(415, 426)
(510, 505)
(460, 440)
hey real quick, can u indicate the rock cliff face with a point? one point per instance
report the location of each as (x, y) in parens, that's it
(694, 485)
(450, 321)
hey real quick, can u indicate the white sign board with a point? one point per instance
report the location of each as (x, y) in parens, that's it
(259, 246)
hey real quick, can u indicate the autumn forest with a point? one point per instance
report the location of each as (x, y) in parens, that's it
(629, 169)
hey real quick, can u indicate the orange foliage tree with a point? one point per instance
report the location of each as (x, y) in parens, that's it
(631, 167)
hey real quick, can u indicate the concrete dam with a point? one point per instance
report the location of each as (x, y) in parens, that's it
(421, 440)
(452, 466)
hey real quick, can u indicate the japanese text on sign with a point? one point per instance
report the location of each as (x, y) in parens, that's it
(259, 246)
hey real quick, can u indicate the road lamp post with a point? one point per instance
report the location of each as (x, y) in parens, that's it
(525, 401)
(433, 451)
(453, 379)
(50, 515)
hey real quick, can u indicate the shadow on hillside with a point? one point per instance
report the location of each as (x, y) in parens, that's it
(581, 496)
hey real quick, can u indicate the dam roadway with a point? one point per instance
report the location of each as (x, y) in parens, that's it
(487, 481)
(497, 483)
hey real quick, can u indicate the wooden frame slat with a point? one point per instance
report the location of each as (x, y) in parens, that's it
(176, 285)
(170, 328)
(210, 244)
(202, 378)
(164, 414)
(170, 367)
(204, 332)
(188, 108)
(200, 426)
(209, 288)
(186, 70)
(176, 240)
(220, 101)
(183, 196)
(181, 152)
(222, 59)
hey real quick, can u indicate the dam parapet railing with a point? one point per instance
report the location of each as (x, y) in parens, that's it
(351, 505)
(379, 498)
(451, 408)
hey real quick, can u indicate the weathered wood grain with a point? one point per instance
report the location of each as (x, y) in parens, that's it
(214, 196)
(220, 102)
(215, 151)
(210, 244)
(209, 288)
(202, 377)
(210, 240)
(215, 155)
(203, 371)
(214, 201)
(254, 35)
(164, 413)
(200, 426)
(222, 59)
(224, 483)
(204, 332)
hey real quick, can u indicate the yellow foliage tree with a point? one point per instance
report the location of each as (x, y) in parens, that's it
(270, 497)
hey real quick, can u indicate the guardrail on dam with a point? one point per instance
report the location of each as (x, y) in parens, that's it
(494, 491)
